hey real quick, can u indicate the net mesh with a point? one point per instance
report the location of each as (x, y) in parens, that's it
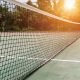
(23, 52)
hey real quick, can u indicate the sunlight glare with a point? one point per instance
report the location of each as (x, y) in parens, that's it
(69, 4)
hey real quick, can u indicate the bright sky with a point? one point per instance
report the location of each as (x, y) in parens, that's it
(69, 4)
(23, 1)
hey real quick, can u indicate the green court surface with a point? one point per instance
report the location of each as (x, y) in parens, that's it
(65, 66)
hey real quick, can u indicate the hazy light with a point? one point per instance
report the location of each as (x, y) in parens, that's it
(69, 4)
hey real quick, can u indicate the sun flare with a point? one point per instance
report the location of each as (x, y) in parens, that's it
(69, 4)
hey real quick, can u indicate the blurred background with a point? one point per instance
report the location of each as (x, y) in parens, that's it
(15, 18)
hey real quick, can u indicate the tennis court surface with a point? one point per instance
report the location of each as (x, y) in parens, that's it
(65, 66)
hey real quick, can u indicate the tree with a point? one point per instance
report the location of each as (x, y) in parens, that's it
(45, 5)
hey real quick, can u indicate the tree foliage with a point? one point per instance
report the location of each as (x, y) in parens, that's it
(19, 19)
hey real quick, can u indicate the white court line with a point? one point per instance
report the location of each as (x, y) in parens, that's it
(57, 60)
(61, 60)
(43, 59)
